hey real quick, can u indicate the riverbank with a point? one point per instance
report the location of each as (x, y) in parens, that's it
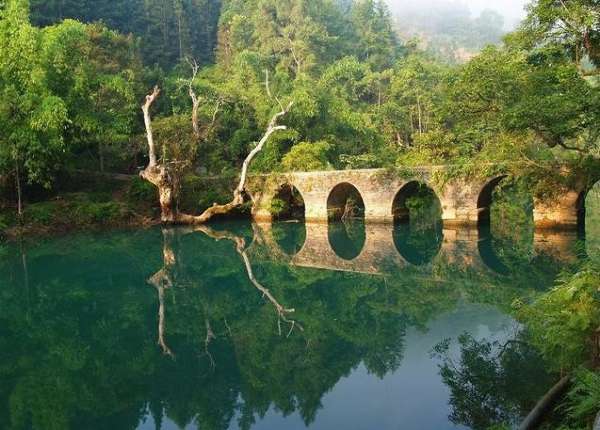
(94, 201)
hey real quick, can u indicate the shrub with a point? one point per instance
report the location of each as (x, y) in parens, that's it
(3, 222)
(583, 400)
(141, 191)
(98, 213)
(278, 207)
(562, 322)
(306, 157)
(40, 213)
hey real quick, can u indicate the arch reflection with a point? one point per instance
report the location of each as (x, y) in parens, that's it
(418, 245)
(289, 236)
(347, 239)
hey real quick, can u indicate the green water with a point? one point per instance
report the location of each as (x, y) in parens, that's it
(183, 328)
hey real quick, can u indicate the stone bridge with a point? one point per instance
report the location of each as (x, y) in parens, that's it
(463, 202)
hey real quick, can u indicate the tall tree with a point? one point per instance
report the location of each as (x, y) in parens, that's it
(32, 118)
(570, 26)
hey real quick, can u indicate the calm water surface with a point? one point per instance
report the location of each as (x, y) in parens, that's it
(274, 327)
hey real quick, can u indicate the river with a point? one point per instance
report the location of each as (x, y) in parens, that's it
(289, 326)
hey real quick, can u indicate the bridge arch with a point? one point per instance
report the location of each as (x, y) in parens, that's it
(485, 199)
(345, 202)
(401, 204)
(287, 203)
(588, 214)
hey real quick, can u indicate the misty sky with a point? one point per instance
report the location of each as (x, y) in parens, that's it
(511, 9)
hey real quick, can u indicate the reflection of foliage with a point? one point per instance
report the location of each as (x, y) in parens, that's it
(92, 363)
(562, 322)
(78, 329)
(482, 384)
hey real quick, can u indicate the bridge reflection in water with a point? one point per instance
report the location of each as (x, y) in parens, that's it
(384, 249)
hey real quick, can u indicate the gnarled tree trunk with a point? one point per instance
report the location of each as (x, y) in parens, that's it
(164, 177)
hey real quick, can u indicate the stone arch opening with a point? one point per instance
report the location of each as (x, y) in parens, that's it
(288, 204)
(485, 200)
(418, 204)
(345, 203)
(588, 219)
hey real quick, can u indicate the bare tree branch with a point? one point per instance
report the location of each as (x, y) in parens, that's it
(148, 123)
(165, 178)
(195, 101)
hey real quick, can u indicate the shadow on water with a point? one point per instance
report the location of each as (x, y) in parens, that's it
(347, 238)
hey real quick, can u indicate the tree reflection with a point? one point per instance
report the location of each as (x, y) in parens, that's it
(418, 244)
(240, 246)
(85, 354)
(492, 382)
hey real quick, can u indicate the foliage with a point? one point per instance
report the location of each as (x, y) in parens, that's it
(562, 322)
(31, 116)
(583, 400)
(167, 29)
(278, 207)
(307, 156)
(76, 210)
(140, 191)
(568, 29)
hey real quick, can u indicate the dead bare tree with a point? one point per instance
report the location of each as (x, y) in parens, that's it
(165, 178)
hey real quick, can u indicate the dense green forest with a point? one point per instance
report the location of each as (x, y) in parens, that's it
(363, 97)
(74, 74)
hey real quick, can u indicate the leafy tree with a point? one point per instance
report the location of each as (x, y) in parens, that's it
(307, 156)
(571, 28)
(32, 118)
(96, 72)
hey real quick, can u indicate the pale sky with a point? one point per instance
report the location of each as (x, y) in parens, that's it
(513, 10)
